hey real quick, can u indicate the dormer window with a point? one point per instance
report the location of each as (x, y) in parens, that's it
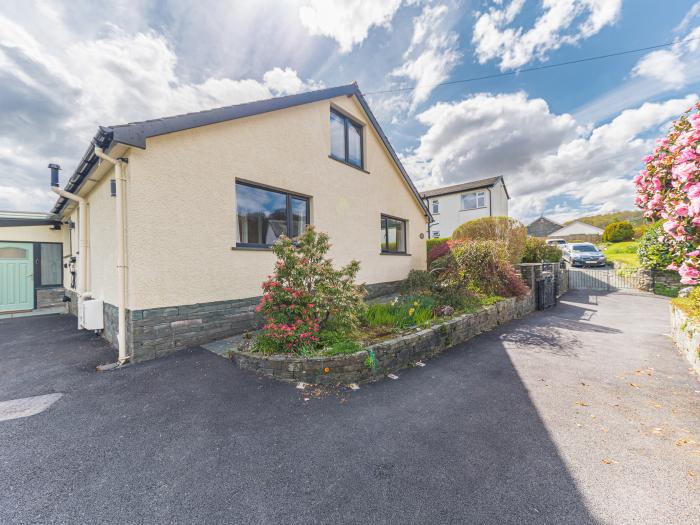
(346, 140)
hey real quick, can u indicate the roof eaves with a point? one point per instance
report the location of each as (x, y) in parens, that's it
(391, 151)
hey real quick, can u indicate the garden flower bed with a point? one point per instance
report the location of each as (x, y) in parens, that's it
(318, 329)
(389, 353)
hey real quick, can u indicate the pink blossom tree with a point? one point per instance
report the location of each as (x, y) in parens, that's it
(669, 188)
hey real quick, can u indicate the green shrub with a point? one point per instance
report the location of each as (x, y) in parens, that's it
(306, 296)
(537, 250)
(417, 282)
(478, 268)
(506, 230)
(618, 232)
(431, 243)
(654, 251)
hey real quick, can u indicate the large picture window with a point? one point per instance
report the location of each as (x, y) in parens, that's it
(471, 201)
(346, 139)
(393, 236)
(265, 214)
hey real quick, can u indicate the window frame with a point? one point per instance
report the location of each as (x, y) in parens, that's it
(435, 207)
(436, 234)
(476, 193)
(382, 222)
(289, 195)
(349, 121)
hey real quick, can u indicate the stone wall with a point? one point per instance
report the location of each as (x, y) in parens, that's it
(391, 355)
(379, 289)
(46, 297)
(160, 331)
(647, 279)
(686, 335)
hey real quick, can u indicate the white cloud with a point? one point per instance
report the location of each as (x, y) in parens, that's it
(68, 90)
(549, 161)
(692, 13)
(433, 51)
(654, 74)
(563, 22)
(346, 21)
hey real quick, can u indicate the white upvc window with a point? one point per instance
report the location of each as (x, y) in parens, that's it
(436, 206)
(436, 234)
(474, 200)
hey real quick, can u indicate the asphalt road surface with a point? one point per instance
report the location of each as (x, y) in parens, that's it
(585, 413)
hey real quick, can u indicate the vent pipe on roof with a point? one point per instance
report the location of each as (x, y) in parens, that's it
(55, 168)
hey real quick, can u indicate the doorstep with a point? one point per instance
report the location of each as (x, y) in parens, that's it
(60, 309)
(222, 347)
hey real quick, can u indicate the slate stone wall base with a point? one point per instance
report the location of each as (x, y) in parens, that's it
(391, 355)
(379, 289)
(47, 297)
(686, 334)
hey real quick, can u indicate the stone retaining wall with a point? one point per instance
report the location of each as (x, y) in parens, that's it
(391, 355)
(686, 334)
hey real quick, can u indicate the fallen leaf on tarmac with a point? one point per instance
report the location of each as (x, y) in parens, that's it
(656, 405)
(635, 385)
(579, 425)
(691, 473)
(609, 461)
(657, 430)
(582, 404)
(684, 441)
(584, 384)
(604, 429)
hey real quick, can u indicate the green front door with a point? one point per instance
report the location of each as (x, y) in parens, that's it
(16, 276)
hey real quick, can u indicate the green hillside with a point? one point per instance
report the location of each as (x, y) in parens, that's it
(602, 220)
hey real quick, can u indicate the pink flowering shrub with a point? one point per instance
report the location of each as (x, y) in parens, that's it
(305, 295)
(669, 188)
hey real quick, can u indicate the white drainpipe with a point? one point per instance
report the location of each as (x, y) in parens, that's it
(121, 253)
(82, 243)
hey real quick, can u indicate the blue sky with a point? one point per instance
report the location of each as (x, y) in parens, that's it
(567, 140)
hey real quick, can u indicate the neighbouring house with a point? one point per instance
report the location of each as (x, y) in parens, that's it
(577, 231)
(175, 216)
(542, 227)
(454, 205)
(31, 261)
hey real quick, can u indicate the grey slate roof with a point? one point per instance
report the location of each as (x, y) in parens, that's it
(471, 185)
(542, 227)
(135, 134)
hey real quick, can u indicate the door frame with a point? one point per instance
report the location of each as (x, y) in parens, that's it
(36, 249)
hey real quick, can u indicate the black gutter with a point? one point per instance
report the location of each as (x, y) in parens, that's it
(102, 139)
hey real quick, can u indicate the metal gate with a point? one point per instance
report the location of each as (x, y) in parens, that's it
(606, 279)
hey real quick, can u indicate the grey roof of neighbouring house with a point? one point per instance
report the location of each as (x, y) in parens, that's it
(542, 227)
(136, 133)
(27, 218)
(471, 185)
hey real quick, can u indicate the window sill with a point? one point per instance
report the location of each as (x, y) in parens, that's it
(472, 209)
(358, 168)
(396, 253)
(253, 248)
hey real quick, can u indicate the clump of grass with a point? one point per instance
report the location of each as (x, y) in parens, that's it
(404, 313)
(343, 347)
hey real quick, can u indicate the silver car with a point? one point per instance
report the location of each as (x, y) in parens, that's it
(583, 254)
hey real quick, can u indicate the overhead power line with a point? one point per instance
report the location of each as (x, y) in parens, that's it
(537, 68)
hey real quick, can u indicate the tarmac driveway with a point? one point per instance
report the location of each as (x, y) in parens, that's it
(582, 414)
